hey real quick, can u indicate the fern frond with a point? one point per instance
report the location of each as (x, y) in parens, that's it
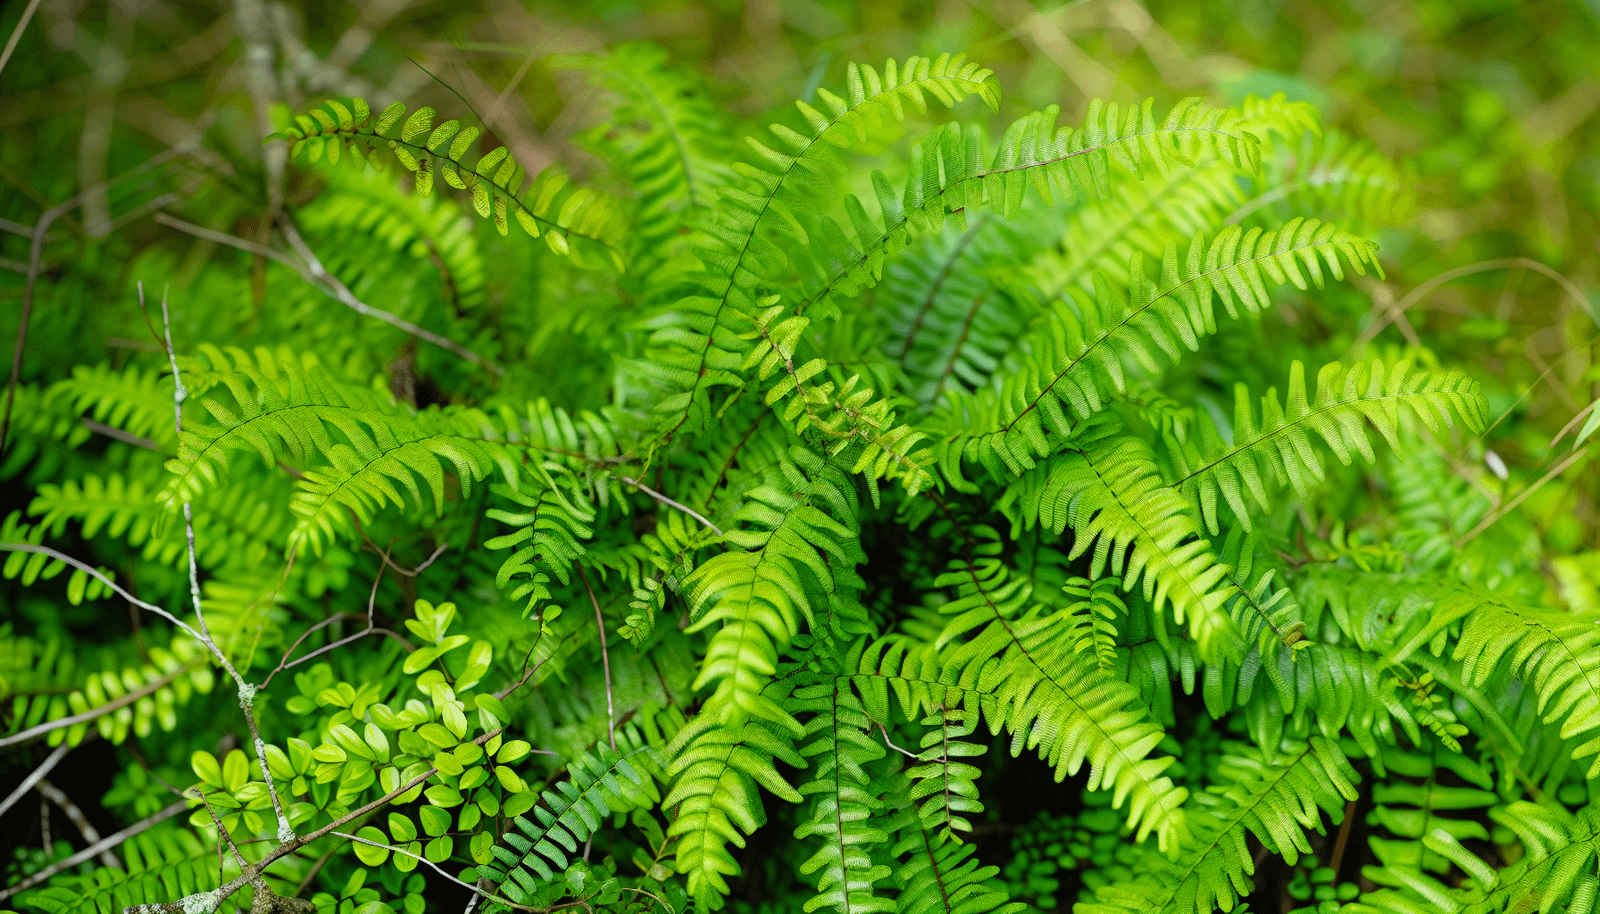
(162, 865)
(494, 179)
(1555, 873)
(421, 227)
(948, 178)
(549, 536)
(1556, 654)
(666, 137)
(1109, 492)
(1095, 609)
(1076, 361)
(697, 347)
(291, 414)
(839, 742)
(1274, 797)
(240, 525)
(718, 769)
(946, 787)
(785, 571)
(28, 567)
(1021, 670)
(1277, 446)
(567, 814)
(1331, 176)
(132, 399)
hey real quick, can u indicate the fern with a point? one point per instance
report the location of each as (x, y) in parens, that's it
(1076, 362)
(1015, 670)
(1277, 445)
(569, 813)
(494, 180)
(820, 470)
(1271, 796)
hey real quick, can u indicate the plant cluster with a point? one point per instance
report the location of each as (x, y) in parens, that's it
(727, 528)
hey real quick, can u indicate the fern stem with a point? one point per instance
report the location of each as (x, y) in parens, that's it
(440, 870)
(605, 658)
(671, 503)
(122, 702)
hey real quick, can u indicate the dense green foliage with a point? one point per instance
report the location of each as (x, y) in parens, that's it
(961, 495)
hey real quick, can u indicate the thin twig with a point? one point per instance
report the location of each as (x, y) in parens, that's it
(1511, 505)
(247, 692)
(489, 895)
(672, 504)
(1398, 309)
(55, 795)
(111, 431)
(348, 298)
(16, 33)
(891, 745)
(372, 598)
(36, 252)
(605, 659)
(50, 762)
(318, 276)
(94, 850)
(222, 830)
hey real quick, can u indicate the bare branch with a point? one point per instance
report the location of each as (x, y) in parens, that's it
(54, 794)
(605, 658)
(38, 774)
(318, 276)
(672, 504)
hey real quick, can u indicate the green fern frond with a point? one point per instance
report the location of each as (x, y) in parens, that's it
(838, 740)
(421, 227)
(1557, 654)
(948, 179)
(940, 875)
(784, 572)
(290, 414)
(1076, 362)
(1276, 446)
(132, 399)
(1555, 873)
(718, 770)
(568, 813)
(1109, 492)
(945, 787)
(1274, 797)
(1331, 176)
(696, 348)
(1021, 670)
(549, 537)
(494, 180)
(665, 136)
(162, 865)
(1095, 609)
(240, 525)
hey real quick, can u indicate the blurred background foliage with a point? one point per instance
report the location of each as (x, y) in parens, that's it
(1491, 106)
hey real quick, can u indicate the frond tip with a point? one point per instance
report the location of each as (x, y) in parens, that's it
(1277, 445)
(494, 179)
